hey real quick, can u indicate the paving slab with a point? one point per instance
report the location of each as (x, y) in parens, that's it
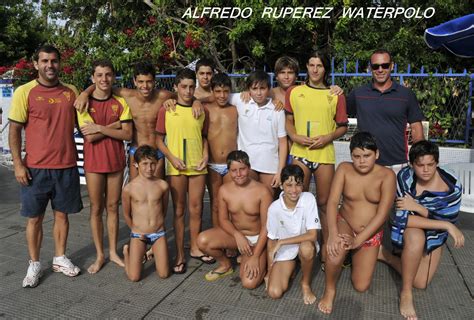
(108, 294)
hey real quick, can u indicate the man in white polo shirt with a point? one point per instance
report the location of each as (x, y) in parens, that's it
(292, 222)
(262, 133)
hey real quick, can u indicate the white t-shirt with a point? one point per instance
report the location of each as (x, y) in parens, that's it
(283, 223)
(259, 131)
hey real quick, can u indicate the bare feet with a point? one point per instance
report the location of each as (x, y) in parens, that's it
(96, 266)
(150, 255)
(325, 305)
(114, 257)
(308, 295)
(265, 279)
(407, 309)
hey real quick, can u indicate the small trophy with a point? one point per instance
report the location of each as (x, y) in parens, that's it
(192, 153)
(312, 129)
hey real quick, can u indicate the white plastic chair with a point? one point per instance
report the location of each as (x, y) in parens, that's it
(465, 173)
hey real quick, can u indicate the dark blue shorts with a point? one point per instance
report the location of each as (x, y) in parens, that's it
(61, 186)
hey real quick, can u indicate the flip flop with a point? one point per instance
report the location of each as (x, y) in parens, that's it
(215, 275)
(201, 258)
(181, 266)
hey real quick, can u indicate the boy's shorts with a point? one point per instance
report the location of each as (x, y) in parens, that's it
(60, 185)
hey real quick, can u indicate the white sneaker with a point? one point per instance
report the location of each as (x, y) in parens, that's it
(64, 265)
(33, 274)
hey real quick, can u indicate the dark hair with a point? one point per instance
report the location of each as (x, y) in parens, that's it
(286, 62)
(220, 80)
(381, 51)
(145, 152)
(292, 170)
(257, 77)
(239, 156)
(102, 63)
(47, 48)
(185, 73)
(144, 68)
(325, 61)
(363, 140)
(205, 62)
(423, 148)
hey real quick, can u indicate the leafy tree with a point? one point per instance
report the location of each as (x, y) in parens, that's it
(356, 38)
(127, 31)
(22, 29)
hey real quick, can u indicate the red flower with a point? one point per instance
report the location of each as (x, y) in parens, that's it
(437, 130)
(4, 69)
(129, 32)
(68, 69)
(190, 42)
(201, 21)
(168, 42)
(151, 20)
(66, 54)
(21, 64)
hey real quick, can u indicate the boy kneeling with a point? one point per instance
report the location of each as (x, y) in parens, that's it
(368, 192)
(428, 203)
(142, 201)
(291, 225)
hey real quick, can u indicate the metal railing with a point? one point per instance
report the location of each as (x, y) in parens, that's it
(445, 98)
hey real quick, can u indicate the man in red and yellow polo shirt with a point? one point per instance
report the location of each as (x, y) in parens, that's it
(44, 108)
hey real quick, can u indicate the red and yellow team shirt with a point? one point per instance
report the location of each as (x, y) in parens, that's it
(106, 155)
(316, 112)
(183, 137)
(48, 116)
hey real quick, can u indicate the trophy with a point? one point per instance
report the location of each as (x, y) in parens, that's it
(312, 129)
(192, 152)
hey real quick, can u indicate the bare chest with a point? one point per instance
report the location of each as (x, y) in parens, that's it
(243, 202)
(363, 189)
(223, 119)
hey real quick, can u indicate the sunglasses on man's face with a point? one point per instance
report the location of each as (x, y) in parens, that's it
(376, 66)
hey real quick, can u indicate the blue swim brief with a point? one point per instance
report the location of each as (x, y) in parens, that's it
(61, 186)
(148, 238)
(159, 154)
(219, 168)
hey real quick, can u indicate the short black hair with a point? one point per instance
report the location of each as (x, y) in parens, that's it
(381, 51)
(145, 152)
(323, 56)
(220, 80)
(257, 77)
(184, 73)
(238, 156)
(205, 62)
(144, 68)
(292, 170)
(47, 48)
(363, 140)
(102, 63)
(423, 148)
